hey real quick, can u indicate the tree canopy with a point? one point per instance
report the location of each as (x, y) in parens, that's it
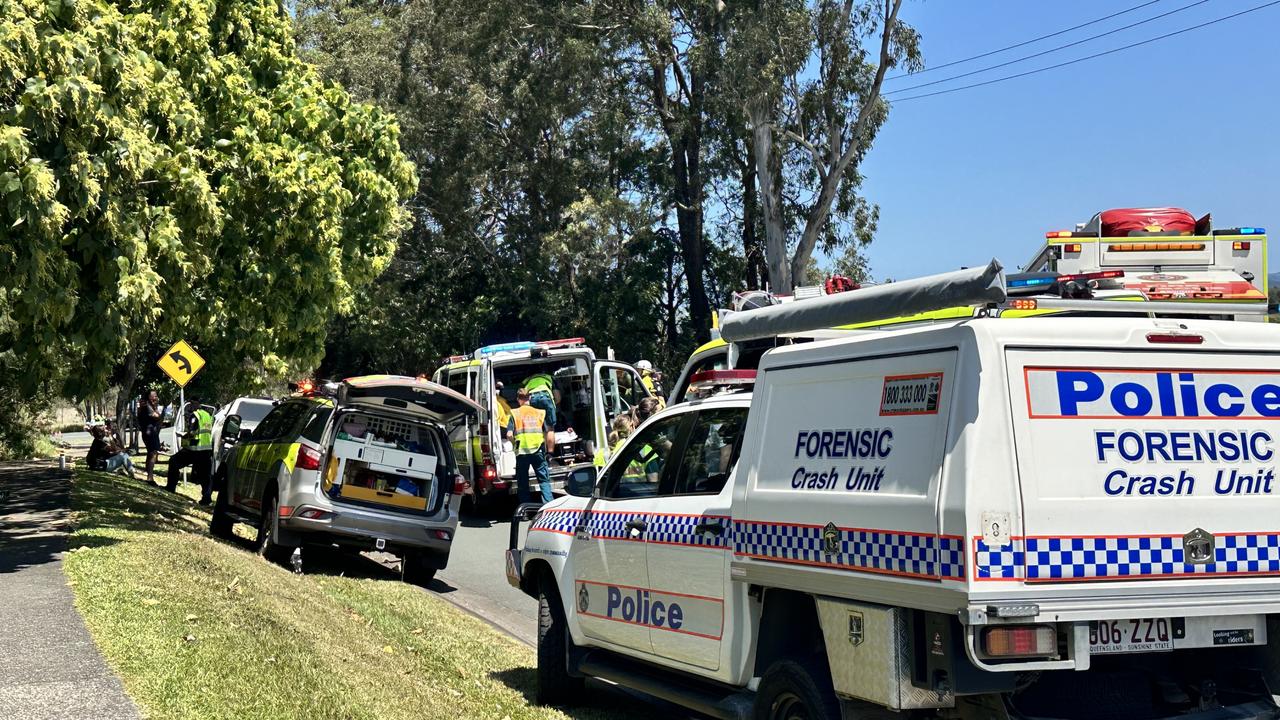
(171, 168)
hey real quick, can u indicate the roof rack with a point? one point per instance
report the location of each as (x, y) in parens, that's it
(974, 286)
(1176, 308)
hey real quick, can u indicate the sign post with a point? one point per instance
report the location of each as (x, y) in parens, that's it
(181, 363)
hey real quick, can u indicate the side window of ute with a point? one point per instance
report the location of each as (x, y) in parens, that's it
(638, 468)
(713, 447)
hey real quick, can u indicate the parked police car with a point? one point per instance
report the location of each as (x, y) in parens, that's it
(365, 465)
(1059, 517)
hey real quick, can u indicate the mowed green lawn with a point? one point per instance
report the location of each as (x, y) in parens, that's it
(199, 628)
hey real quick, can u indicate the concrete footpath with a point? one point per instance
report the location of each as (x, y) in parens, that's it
(49, 666)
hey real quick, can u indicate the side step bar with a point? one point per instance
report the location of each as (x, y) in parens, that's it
(706, 698)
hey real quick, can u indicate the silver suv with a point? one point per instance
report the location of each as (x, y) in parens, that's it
(364, 464)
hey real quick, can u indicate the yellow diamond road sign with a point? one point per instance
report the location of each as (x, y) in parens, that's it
(181, 363)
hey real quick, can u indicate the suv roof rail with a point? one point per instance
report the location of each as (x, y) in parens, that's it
(973, 286)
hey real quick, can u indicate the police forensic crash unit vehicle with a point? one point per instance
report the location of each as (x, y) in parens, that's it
(1052, 517)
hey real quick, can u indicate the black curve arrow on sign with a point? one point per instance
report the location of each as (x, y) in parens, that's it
(178, 358)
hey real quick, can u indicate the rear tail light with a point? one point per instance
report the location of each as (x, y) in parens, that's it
(490, 472)
(308, 458)
(1020, 641)
(460, 485)
(1072, 247)
(1175, 338)
(313, 514)
(1240, 246)
(284, 511)
(441, 534)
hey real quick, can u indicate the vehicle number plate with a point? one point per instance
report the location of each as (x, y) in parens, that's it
(1108, 637)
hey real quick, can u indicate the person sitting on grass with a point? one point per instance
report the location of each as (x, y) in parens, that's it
(104, 454)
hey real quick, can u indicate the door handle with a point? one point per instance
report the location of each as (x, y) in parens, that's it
(711, 527)
(636, 527)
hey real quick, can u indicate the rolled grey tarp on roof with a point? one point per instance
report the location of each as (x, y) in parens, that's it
(973, 286)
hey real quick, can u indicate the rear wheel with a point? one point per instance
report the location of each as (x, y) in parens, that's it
(555, 685)
(793, 690)
(268, 548)
(221, 526)
(416, 569)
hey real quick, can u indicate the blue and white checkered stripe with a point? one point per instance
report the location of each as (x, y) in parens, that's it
(869, 550)
(561, 521)
(679, 530)
(1111, 557)
(612, 525)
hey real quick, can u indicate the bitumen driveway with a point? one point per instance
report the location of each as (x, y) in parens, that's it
(49, 666)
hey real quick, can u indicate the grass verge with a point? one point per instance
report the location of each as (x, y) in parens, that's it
(199, 628)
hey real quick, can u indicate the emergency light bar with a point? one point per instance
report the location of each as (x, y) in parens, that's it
(1155, 247)
(505, 347)
(708, 381)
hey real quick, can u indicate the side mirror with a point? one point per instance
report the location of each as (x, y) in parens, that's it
(231, 427)
(581, 482)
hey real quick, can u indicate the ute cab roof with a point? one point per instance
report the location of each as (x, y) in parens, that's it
(413, 396)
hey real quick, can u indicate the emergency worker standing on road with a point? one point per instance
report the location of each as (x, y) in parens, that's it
(534, 439)
(197, 454)
(540, 387)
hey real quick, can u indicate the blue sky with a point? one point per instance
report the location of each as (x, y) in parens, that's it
(1190, 121)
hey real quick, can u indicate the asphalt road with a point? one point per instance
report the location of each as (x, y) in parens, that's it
(476, 578)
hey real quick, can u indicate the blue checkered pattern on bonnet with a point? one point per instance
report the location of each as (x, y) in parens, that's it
(1109, 557)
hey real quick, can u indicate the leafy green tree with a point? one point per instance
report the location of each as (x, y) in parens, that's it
(170, 168)
(810, 92)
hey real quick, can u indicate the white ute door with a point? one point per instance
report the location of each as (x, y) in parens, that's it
(612, 592)
(689, 539)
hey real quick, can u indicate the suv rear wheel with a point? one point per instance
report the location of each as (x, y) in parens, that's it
(416, 569)
(268, 548)
(221, 525)
(555, 685)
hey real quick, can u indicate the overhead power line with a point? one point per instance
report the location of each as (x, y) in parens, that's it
(1023, 43)
(1091, 57)
(1046, 52)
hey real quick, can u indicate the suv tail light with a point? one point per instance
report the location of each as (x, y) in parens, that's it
(490, 472)
(460, 485)
(308, 458)
(1020, 641)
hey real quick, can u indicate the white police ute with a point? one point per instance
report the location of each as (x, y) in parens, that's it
(1055, 517)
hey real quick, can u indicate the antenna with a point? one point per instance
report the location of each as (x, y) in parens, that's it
(974, 286)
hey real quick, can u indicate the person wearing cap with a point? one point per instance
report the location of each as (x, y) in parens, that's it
(196, 453)
(534, 438)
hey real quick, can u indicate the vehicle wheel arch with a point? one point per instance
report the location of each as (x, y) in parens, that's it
(789, 629)
(532, 576)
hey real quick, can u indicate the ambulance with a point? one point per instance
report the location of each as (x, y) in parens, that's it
(590, 392)
(988, 517)
(1167, 253)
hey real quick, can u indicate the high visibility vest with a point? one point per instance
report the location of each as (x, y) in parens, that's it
(541, 382)
(204, 431)
(647, 380)
(530, 436)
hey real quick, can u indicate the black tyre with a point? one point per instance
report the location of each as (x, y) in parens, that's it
(792, 690)
(416, 570)
(267, 547)
(555, 685)
(221, 525)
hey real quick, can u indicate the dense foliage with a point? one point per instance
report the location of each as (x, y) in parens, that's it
(170, 168)
(586, 167)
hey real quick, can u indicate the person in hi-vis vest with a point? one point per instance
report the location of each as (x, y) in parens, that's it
(534, 439)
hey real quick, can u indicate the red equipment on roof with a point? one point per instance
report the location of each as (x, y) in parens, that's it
(1122, 221)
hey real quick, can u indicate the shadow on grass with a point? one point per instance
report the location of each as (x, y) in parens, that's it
(115, 502)
(598, 700)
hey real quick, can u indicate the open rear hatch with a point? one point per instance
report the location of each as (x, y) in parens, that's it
(1143, 463)
(420, 398)
(386, 453)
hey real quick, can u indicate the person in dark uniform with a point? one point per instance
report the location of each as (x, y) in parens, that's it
(149, 428)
